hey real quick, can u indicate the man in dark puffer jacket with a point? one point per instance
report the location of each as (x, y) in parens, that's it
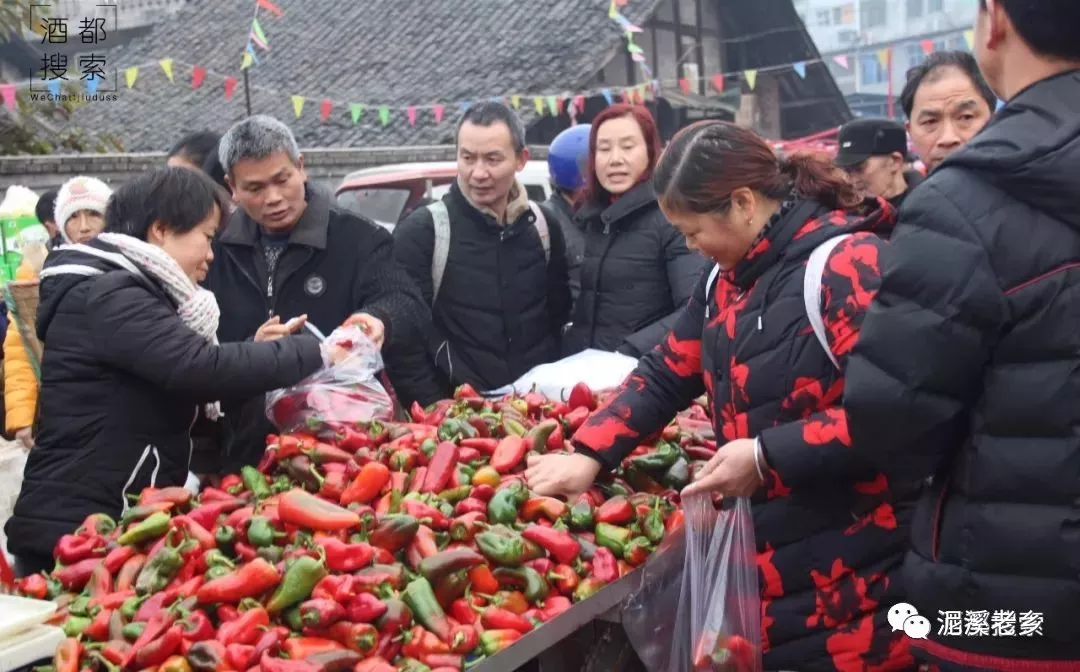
(968, 367)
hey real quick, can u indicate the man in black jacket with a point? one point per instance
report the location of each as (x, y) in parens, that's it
(873, 152)
(490, 263)
(966, 370)
(288, 251)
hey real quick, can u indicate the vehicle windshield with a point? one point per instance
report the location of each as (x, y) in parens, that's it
(381, 205)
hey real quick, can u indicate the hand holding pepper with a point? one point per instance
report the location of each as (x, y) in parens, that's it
(732, 472)
(555, 474)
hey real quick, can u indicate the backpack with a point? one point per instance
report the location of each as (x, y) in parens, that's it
(440, 222)
(815, 267)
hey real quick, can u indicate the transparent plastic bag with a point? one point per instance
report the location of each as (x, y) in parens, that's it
(706, 616)
(338, 396)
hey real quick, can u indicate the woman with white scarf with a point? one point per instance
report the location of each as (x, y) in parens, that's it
(132, 360)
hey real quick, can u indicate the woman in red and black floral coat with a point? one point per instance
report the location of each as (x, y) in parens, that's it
(831, 530)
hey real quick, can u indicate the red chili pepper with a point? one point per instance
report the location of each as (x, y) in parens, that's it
(299, 648)
(565, 578)
(101, 582)
(71, 548)
(207, 514)
(421, 511)
(360, 637)
(176, 495)
(239, 518)
(437, 661)
(483, 492)
(343, 557)
(239, 656)
(494, 641)
(320, 614)
(543, 566)
(66, 657)
(470, 505)
(367, 484)
(419, 642)
(375, 577)
(340, 588)
(98, 630)
(555, 605)
(465, 527)
(115, 651)
(34, 586)
(464, 638)
(575, 419)
(485, 445)
(560, 544)
(113, 600)
(616, 511)
(245, 552)
(509, 454)
(494, 618)
(212, 494)
(75, 577)
(365, 608)
(441, 468)
(157, 651)
(194, 530)
(605, 567)
(298, 507)
(462, 612)
(250, 580)
(483, 580)
(546, 507)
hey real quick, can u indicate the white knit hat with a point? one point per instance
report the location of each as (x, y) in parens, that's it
(80, 193)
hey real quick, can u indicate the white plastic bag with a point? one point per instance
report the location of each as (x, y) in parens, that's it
(708, 616)
(336, 397)
(598, 369)
(12, 463)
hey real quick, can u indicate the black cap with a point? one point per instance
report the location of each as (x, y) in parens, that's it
(863, 138)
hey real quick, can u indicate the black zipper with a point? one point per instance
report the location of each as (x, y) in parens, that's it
(599, 275)
(269, 284)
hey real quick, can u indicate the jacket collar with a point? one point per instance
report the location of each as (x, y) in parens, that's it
(637, 198)
(517, 205)
(310, 230)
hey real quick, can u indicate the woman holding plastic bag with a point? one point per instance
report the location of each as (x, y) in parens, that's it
(830, 530)
(131, 360)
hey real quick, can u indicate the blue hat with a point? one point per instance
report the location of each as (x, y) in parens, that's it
(567, 156)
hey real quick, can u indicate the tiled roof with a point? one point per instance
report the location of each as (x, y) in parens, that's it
(375, 52)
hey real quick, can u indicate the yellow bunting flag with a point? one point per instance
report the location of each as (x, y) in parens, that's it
(883, 57)
(166, 65)
(515, 100)
(969, 38)
(130, 75)
(538, 103)
(247, 61)
(751, 78)
(298, 105)
(553, 105)
(612, 11)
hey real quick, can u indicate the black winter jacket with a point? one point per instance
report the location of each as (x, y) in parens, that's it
(336, 264)
(573, 230)
(636, 276)
(121, 380)
(830, 531)
(968, 369)
(501, 308)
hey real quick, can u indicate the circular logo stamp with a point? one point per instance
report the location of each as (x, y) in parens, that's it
(314, 285)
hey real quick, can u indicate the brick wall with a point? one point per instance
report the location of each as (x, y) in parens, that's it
(327, 165)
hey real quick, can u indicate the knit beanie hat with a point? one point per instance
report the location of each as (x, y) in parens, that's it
(80, 193)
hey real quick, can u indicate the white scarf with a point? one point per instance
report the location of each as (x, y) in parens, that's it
(198, 308)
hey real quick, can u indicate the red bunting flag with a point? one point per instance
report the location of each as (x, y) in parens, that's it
(684, 84)
(438, 112)
(927, 46)
(325, 108)
(271, 7)
(560, 103)
(718, 83)
(230, 87)
(410, 112)
(579, 104)
(198, 74)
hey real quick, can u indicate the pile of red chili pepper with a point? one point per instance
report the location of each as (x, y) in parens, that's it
(378, 547)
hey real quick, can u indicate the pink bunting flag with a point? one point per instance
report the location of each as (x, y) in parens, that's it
(842, 61)
(410, 112)
(438, 112)
(7, 91)
(325, 108)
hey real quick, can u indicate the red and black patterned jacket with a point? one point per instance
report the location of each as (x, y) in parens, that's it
(831, 534)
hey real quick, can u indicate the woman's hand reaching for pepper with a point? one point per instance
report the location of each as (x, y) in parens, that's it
(732, 472)
(273, 329)
(561, 475)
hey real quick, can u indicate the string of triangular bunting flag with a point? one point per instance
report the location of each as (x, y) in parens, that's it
(550, 103)
(256, 36)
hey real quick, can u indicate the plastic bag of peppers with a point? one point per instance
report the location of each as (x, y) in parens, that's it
(337, 396)
(380, 547)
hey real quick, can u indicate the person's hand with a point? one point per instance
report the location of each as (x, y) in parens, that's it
(566, 475)
(732, 472)
(372, 327)
(334, 354)
(25, 436)
(273, 329)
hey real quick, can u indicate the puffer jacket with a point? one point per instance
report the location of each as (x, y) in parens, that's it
(20, 376)
(968, 371)
(121, 381)
(830, 530)
(636, 276)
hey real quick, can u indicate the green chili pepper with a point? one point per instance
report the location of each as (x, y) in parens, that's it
(74, 625)
(225, 537)
(300, 579)
(534, 585)
(412, 665)
(660, 459)
(677, 476)
(80, 606)
(151, 528)
(272, 554)
(255, 482)
(281, 484)
(216, 572)
(133, 631)
(130, 607)
(653, 526)
(503, 507)
(502, 549)
(294, 619)
(455, 495)
(159, 570)
(420, 598)
(214, 557)
(613, 538)
(428, 447)
(582, 516)
(261, 532)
